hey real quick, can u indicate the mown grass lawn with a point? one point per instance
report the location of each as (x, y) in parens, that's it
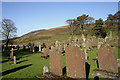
(31, 64)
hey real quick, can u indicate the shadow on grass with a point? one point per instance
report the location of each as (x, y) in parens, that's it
(96, 78)
(8, 60)
(97, 64)
(19, 53)
(64, 70)
(5, 61)
(87, 69)
(15, 69)
(21, 61)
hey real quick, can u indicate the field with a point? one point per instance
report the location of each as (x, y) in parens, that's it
(30, 65)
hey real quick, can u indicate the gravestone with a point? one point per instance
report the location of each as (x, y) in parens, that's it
(83, 44)
(33, 50)
(55, 61)
(110, 37)
(90, 43)
(65, 45)
(45, 69)
(39, 48)
(87, 44)
(86, 57)
(75, 62)
(107, 59)
(32, 47)
(106, 38)
(45, 51)
(60, 47)
(11, 54)
(116, 43)
(14, 60)
(80, 41)
(95, 41)
(99, 44)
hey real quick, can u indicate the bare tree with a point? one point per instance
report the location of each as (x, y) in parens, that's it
(8, 30)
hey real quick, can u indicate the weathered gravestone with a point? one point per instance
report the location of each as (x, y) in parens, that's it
(55, 61)
(99, 44)
(39, 48)
(75, 62)
(14, 60)
(86, 57)
(32, 47)
(110, 37)
(11, 54)
(116, 43)
(90, 43)
(87, 44)
(106, 59)
(95, 41)
(45, 69)
(45, 52)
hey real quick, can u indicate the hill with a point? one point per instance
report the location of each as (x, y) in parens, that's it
(42, 34)
(60, 33)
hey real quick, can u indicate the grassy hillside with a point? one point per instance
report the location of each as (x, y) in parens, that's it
(41, 35)
(60, 33)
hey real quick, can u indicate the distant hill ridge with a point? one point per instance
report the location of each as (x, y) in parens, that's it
(42, 34)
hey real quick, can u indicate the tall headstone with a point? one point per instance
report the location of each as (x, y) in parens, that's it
(39, 48)
(95, 41)
(87, 44)
(106, 59)
(110, 37)
(11, 54)
(14, 60)
(33, 49)
(55, 61)
(86, 55)
(75, 62)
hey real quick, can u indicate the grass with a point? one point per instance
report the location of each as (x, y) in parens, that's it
(31, 64)
(33, 61)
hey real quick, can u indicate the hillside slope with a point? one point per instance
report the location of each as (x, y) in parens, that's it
(42, 34)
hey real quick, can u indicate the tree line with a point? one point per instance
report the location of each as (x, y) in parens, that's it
(98, 29)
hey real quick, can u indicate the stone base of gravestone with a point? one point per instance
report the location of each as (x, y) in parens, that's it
(105, 74)
(118, 63)
(51, 76)
(45, 57)
(11, 59)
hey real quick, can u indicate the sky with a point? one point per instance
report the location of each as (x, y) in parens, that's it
(31, 16)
